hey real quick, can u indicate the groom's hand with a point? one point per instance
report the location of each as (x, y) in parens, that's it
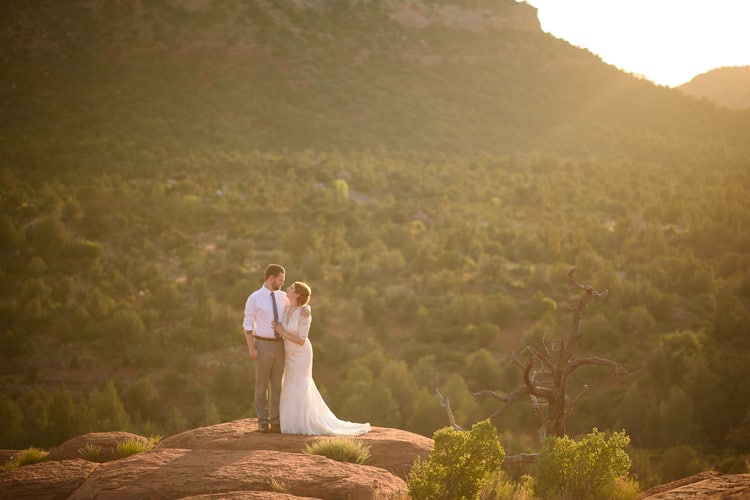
(253, 354)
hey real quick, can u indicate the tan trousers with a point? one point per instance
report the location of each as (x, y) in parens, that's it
(269, 370)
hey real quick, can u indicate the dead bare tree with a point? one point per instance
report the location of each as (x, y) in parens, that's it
(545, 375)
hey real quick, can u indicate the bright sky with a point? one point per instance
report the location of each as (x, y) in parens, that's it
(666, 41)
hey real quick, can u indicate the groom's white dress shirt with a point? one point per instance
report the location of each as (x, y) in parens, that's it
(259, 312)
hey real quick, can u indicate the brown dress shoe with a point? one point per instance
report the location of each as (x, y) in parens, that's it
(264, 428)
(275, 429)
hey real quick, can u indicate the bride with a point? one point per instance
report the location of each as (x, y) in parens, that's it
(302, 408)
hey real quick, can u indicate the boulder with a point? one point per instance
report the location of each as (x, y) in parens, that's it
(106, 442)
(391, 449)
(50, 480)
(181, 473)
(707, 485)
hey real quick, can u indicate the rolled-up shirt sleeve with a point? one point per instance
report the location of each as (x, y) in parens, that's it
(251, 307)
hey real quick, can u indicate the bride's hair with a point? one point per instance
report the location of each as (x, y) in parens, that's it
(303, 292)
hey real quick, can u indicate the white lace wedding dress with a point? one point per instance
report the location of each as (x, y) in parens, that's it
(302, 408)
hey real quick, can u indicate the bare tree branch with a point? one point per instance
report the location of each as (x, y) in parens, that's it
(531, 386)
(517, 361)
(548, 348)
(445, 403)
(543, 358)
(484, 394)
(539, 409)
(578, 362)
(583, 391)
(589, 295)
(509, 400)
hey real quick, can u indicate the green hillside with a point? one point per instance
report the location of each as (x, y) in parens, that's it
(432, 173)
(127, 84)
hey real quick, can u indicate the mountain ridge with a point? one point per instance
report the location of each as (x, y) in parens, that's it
(127, 81)
(727, 86)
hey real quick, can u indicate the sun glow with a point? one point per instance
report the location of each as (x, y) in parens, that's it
(666, 41)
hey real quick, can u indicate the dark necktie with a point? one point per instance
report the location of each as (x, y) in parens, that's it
(275, 313)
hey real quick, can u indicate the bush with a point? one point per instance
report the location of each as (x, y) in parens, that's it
(593, 467)
(341, 449)
(459, 464)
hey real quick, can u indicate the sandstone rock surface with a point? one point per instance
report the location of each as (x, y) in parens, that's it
(106, 442)
(706, 485)
(54, 479)
(228, 461)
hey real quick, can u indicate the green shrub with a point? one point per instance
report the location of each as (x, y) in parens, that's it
(459, 464)
(343, 449)
(593, 467)
(28, 456)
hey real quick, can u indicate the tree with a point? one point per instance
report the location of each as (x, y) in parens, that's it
(10, 236)
(546, 374)
(12, 434)
(48, 235)
(396, 376)
(481, 369)
(142, 400)
(424, 419)
(65, 419)
(110, 412)
(36, 266)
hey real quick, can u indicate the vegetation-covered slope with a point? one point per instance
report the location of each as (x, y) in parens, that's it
(433, 184)
(128, 84)
(729, 86)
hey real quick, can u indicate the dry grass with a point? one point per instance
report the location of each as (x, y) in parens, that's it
(343, 449)
(28, 456)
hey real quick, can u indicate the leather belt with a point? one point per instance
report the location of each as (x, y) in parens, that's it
(267, 338)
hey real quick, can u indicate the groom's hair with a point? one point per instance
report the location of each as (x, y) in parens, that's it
(273, 270)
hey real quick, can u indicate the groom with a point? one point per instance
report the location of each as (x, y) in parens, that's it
(262, 308)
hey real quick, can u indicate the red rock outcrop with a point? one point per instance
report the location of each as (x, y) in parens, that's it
(230, 460)
(106, 442)
(705, 485)
(52, 480)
